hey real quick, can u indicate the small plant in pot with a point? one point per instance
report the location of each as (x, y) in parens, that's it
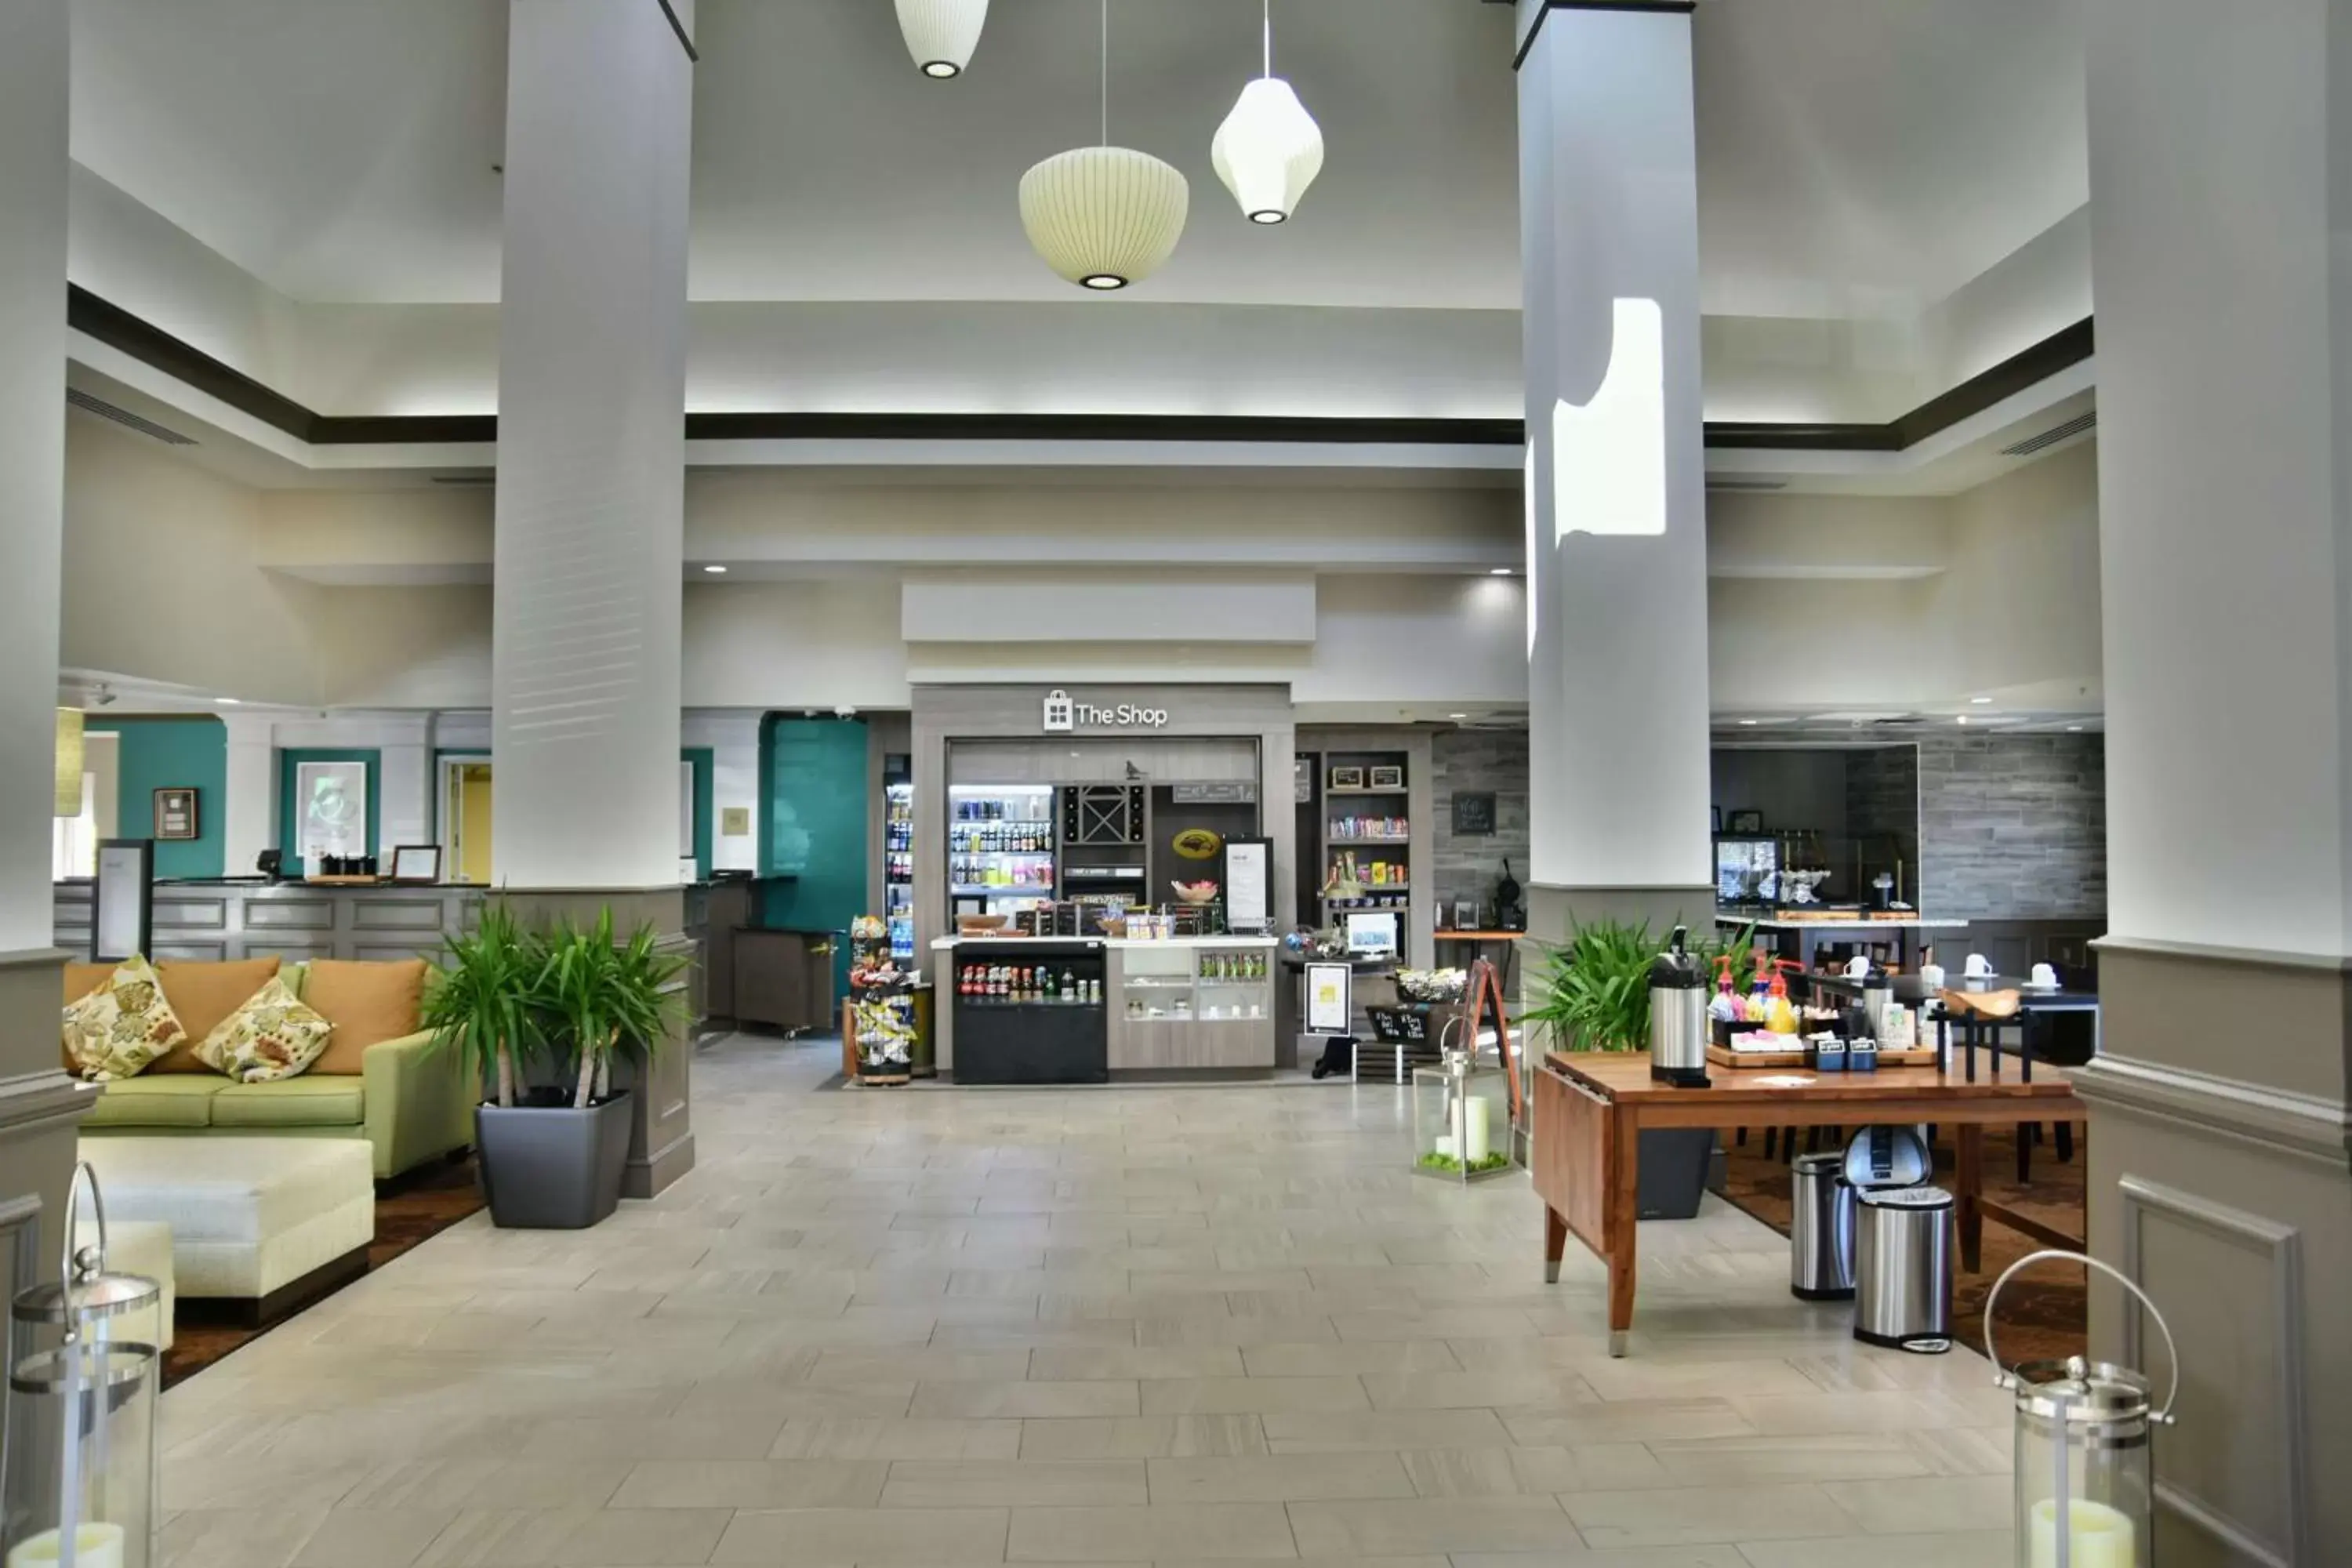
(1593, 994)
(552, 1153)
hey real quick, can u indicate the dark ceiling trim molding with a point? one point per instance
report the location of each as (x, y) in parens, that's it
(151, 345)
(693, 55)
(110, 324)
(1669, 7)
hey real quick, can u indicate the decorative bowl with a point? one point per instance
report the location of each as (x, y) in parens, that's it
(1196, 893)
(981, 925)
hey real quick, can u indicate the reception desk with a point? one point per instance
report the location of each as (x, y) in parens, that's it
(296, 920)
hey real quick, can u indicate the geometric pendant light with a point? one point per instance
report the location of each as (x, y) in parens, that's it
(1104, 217)
(1269, 149)
(941, 34)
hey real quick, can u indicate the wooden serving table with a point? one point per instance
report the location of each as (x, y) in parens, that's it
(1592, 1106)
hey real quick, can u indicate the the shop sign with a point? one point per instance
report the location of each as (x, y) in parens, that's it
(1064, 715)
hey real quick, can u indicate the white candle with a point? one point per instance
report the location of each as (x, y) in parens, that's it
(2097, 1536)
(1474, 1118)
(1445, 1146)
(96, 1545)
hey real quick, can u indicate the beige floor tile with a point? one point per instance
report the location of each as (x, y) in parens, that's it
(373, 1538)
(1142, 1437)
(1251, 1395)
(547, 1484)
(1966, 1450)
(873, 1437)
(1756, 1461)
(1436, 1323)
(871, 1538)
(1884, 1410)
(1500, 1472)
(1715, 1556)
(1383, 1431)
(1242, 1331)
(754, 1483)
(656, 1536)
(1219, 1531)
(1131, 1363)
(1939, 1502)
(1005, 1483)
(1033, 1333)
(738, 1435)
(1628, 1421)
(875, 1368)
(1665, 1377)
(238, 1538)
(1426, 1524)
(1968, 1549)
(1348, 1359)
(1110, 1398)
(1682, 1515)
(1535, 1388)
(1278, 1477)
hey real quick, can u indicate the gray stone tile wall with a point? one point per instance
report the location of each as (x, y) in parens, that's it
(1882, 799)
(2014, 827)
(1497, 759)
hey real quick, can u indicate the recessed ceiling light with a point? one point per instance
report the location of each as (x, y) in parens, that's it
(2074, 729)
(1963, 719)
(1499, 572)
(1981, 702)
(226, 701)
(1457, 715)
(716, 571)
(1751, 722)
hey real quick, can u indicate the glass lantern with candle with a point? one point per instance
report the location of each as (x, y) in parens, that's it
(2084, 1481)
(80, 1491)
(1461, 1120)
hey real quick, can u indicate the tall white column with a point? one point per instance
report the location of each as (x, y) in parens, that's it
(1617, 700)
(591, 394)
(249, 809)
(2220, 160)
(39, 1106)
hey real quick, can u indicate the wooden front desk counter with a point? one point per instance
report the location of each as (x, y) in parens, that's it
(1590, 1107)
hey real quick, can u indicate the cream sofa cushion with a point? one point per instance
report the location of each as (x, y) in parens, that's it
(270, 1036)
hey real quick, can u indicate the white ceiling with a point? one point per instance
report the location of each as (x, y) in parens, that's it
(1857, 156)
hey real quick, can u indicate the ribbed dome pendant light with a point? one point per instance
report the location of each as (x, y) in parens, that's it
(941, 34)
(1104, 217)
(1269, 149)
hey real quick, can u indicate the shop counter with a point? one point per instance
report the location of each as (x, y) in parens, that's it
(1163, 1006)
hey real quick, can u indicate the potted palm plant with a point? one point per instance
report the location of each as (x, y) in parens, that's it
(1594, 995)
(553, 1152)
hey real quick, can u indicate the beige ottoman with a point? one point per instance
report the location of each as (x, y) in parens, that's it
(274, 1222)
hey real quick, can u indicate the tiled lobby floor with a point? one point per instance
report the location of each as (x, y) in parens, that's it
(1165, 1326)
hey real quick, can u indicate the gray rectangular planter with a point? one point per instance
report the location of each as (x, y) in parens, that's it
(547, 1167)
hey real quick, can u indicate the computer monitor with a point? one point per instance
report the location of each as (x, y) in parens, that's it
(1371, 933)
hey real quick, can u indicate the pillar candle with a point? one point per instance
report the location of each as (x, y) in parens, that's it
(1474, 1130)
(2097, 1536)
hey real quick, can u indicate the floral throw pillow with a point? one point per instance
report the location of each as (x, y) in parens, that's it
(272, 1035)
(116, 1030)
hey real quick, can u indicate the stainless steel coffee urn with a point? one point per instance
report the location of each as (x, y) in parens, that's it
(1678, 1016)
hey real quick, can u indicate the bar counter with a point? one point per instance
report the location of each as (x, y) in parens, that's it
(252, 917)
(1166, 1006)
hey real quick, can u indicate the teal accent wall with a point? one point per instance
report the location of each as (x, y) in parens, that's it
(171, 753)
(813, 799)
(704, 762)
(289, 760)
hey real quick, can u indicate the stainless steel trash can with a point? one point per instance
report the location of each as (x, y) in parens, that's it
(1820, 1229)
(1903, 1270)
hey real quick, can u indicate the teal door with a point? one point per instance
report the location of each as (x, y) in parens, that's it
(813, 776)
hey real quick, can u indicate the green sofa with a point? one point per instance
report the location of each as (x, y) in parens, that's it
(411, 1100)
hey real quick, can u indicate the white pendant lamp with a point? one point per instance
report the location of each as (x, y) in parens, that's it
(1104, 217)
(941, 34)
(1269, 149)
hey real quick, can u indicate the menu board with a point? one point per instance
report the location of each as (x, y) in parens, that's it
(1249, 876)
(1328, 1008)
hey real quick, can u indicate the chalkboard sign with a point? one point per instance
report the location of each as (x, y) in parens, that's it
(1474, 812)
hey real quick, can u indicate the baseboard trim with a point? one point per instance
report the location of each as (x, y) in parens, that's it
(647, 1177)
(2308, 1126)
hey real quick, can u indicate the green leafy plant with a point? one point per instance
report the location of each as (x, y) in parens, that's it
(483, 1000)
(603, 996)
(1594, 991)
(1492, 1162)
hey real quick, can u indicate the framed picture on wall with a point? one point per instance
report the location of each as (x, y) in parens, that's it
(1346, 778)
(176, 813)
(1746, 822)
(417, 862)
(331, 809)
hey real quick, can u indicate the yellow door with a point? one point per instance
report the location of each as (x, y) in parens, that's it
(473, 822)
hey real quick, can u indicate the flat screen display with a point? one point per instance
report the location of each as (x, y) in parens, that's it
(1371, 933)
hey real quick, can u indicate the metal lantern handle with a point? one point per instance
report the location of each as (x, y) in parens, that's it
(2171, 1352)
(85, 1178)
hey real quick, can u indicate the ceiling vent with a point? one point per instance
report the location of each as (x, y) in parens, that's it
(2052, 436)
(477, 480)
(1754, 482)
(76, 398)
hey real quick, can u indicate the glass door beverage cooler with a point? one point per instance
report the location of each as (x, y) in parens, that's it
(898, 858)
(1001, 848)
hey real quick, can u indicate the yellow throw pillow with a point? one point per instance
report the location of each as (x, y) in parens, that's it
(272, 1035)
(116, 1030)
